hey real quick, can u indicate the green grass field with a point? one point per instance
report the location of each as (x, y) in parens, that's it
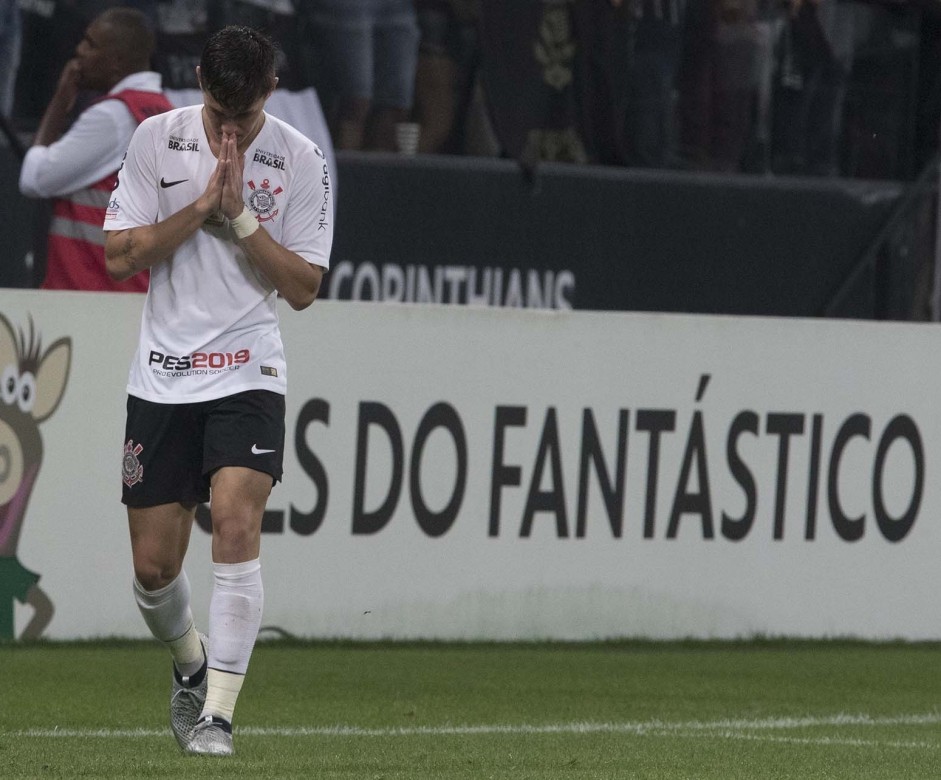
(763, 709)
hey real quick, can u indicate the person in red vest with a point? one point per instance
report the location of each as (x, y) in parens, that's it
(78, 167)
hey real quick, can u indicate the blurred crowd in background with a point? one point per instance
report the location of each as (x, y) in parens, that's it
(804, 87)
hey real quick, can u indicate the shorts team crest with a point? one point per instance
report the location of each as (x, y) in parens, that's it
(131, 469)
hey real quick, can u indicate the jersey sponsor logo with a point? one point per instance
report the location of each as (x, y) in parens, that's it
(164, 183)
(262, 200)
(258, 451)
(322, 223)
(132, 471)
(270, 159)
(113, 208)
(179, 144)
(197, 364)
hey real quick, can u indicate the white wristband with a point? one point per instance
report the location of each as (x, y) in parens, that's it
(244, 224)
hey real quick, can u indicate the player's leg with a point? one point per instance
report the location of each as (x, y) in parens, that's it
(159, 538)
(244, 444)
(162, 484)
(239, 495)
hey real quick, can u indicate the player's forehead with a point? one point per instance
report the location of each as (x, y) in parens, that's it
(232, 112)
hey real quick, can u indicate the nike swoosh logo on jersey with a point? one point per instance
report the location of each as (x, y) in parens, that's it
(256, 451)
(165, 184)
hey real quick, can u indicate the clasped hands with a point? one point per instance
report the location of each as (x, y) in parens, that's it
(223, 194)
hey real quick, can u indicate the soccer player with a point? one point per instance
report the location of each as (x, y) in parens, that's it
(229, 208)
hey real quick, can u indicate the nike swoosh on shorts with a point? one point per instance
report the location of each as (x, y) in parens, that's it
(256, 451)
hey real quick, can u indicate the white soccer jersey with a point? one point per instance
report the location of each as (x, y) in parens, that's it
(210, 324)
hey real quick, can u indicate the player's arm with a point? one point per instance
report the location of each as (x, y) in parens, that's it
(132, 250)
(296, 280)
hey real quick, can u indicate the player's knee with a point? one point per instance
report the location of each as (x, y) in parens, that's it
(154, 575)
(235, 535)
(154, 572)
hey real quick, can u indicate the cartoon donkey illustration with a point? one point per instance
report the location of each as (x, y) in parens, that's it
(32, 384)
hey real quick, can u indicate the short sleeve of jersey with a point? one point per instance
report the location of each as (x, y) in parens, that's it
(308, 221)
(134, 199)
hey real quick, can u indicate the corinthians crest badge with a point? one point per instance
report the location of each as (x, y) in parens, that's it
(131, 469)
(262, 200)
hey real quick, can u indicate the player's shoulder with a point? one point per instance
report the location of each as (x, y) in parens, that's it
(294, 142)
(179, 129)
(175, 118)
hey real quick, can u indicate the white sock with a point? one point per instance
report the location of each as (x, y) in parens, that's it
(168, 616)
(221, 694)
(234, 614)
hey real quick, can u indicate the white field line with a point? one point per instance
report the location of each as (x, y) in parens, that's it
(825, 741)
(753, 729)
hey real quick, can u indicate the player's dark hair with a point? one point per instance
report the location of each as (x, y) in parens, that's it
(237, 66)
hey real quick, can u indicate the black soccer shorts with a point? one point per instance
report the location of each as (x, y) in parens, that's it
(172, 450)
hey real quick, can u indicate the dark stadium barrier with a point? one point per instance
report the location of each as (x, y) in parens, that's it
(27, 219)
(459, 230)
(470, 230)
